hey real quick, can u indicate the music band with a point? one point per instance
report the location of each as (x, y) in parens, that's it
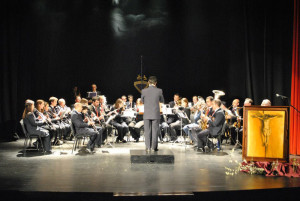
(96, 119)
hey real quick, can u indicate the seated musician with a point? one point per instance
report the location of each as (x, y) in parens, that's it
(88, 118)
(204, 110)
(77, 100)
(234, 118)
(266, 102)
(97, 116)
(44, 121)
(33, 126)
(164, 128)
(172, 118)
(65, 116)
(136, 125)
(118, 121)
(130, 104)
(104, 110)
(82, 126)
(215, 124)
(183, 113)
(55, 122)
(124, 100)
(175, 102)
(195, 108)
(84, 101)
(53, 113)
(247, 102)
(95, 108)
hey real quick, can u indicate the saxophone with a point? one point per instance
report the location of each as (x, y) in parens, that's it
(203, 123)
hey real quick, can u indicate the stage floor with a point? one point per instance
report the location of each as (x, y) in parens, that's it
(110, 170)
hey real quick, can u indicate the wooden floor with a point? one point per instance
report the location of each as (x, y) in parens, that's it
(109, 174)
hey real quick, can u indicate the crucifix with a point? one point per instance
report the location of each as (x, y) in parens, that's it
(266, 129)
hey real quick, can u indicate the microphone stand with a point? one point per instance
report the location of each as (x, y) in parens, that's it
(289, 102)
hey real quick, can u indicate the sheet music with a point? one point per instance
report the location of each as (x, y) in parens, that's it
(129, 113)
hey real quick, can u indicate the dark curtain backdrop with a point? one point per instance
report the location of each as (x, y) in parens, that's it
(49, 46)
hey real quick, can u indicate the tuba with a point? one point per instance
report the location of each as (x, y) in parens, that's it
(218, 93)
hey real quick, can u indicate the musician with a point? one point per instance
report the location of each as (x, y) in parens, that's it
(88, 118)
(103, 106)
(94, 89)
(55, 122)
(209, 103)
(136, 125)
(130, 104)
(65, 115)
(234, 117)
(95, 107)
(33, 126)
(76, 92)
(175, 102)
(215, 124)
(53, 113)
(164, 127)
(84, 101)
(183, 114)
(151, 97)
(118, 121)
(266, 102)
(94, 112)
(172, 118)
(104, 110)
(247, 102)
(83, 126)
(77, 100)
(44, 121)
(124, 99)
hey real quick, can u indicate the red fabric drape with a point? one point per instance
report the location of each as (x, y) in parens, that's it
(295, 88)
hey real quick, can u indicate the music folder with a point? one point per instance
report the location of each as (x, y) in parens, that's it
(91, 94)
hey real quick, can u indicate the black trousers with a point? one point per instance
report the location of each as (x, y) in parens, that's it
(151, 132)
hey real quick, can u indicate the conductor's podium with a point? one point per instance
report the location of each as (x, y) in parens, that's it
(160, 156)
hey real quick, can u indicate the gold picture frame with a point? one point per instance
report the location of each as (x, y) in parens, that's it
(265, 133)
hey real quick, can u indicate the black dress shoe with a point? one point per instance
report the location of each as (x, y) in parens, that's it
(154, 149)
(124, 141)
(137, 140)
(206, 149)
(48, 152)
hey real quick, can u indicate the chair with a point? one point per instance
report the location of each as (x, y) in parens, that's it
(218, 137)
(77, 137)
(113, 135)
(29, 136)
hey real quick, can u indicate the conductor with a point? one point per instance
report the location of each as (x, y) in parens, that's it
(151, 97)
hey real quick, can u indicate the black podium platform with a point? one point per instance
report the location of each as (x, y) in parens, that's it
(160, 156)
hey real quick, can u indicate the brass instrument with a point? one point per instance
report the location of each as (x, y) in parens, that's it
(218, 94)
(203, 123)
(177, 103)
(198, 105)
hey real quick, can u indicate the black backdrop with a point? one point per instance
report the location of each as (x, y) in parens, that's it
(193, 46)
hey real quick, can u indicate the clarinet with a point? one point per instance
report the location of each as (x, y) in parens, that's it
(93, 125)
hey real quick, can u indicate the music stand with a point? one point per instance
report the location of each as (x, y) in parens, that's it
(91, 94)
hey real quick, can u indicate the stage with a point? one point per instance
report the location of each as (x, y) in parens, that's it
(108, 172)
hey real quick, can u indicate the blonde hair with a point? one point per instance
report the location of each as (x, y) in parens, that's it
(84, 101)
(28, 105)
